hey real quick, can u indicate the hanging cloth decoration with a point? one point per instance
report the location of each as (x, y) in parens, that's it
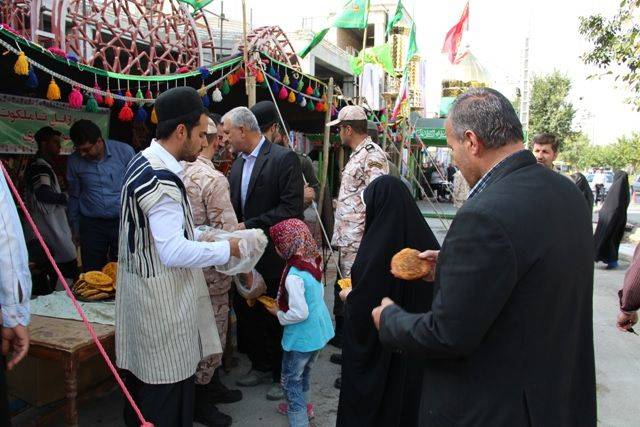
(225, 87)
(75, 98)
(316, 92)
(310, 106)
(96, 95)
(299, 98)
(92, 104)
(216, 96)
(206, 101)
(148, 95)
(21, 66)
(141, 115)
(128, 95)
(204, 71)
(231, 79)
(304, 102)
(283, 93)
(259, 77)
(154, 116)
(240, 73)
(300, 86)
(108, 99)
(309, 90)
(126, 114)
(118, 102)
(32, 79)
(292, 96)
(286, 80)
(320, 107)
(273, 73)
(140, 97)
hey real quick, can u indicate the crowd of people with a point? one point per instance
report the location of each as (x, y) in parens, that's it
(500, 333)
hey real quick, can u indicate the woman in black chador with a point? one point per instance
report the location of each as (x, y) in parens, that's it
(612, 220)
(381, 387)
(583, 185)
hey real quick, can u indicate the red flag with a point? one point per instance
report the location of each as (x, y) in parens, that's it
(453, 37)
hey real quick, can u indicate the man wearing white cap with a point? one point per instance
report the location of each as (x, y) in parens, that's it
(367, 162)
(208, 193)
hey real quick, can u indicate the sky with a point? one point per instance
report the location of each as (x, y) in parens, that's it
(496, 36)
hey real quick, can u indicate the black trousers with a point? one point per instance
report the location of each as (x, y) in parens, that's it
(43, 276)
(5, 418)
(164, 405)
(259, 335)
(98, 242)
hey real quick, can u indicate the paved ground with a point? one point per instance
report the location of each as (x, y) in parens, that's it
(617, 365)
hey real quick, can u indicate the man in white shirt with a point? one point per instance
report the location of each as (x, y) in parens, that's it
(15, 291)
(164, 320)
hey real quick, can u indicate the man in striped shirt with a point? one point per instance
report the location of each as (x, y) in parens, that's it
(164, 321)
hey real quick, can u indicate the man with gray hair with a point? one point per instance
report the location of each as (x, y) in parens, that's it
(266, 188)
(509, 338)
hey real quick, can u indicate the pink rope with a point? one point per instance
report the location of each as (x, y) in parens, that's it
(144, 423)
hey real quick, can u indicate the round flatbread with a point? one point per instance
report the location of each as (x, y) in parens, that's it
(407, 265)
(111, 270)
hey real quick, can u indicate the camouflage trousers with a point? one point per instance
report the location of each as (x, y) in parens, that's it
(208, 365)
(347, 257)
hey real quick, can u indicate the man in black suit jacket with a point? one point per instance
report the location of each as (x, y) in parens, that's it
(266, 187)
(509, 338)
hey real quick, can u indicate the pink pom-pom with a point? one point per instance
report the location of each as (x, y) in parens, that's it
(182, 70)
(57, 51)
(97, 95)
(283, 93)
(75, 98)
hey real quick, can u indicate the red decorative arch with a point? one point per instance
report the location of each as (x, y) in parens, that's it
(275, 43)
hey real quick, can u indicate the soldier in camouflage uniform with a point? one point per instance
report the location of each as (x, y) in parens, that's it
(208, 191)
(367, 162)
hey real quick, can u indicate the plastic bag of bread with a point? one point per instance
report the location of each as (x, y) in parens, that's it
(250, 286)
(252, 244)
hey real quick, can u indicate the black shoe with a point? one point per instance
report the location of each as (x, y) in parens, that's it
(336, 358)
(336, 341)
(210, 416)
(337, 383)
(219, 393)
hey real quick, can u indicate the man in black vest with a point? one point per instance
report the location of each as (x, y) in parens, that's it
(509, 338)
(266, 188)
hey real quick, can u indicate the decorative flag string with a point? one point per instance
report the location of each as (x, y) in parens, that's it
(105, 356)
(105, 93)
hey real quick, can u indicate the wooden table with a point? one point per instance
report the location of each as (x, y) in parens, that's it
(69, 342)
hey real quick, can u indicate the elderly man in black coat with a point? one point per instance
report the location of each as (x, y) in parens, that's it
(266, 187)
(509, 338)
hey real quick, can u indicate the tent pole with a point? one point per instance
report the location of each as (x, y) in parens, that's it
(325, 147)
(250, 80)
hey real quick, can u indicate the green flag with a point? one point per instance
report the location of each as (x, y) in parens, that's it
(196, 4)
(397, 17)
(413, 46)
(380, 55)
(354, 15)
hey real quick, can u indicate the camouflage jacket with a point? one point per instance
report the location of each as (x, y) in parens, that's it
(208, 191)
(367, 162)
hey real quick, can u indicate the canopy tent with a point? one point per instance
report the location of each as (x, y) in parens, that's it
(46, 66)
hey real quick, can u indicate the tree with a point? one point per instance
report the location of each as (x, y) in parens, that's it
(616, 43)
(550, 111)
(574, 151)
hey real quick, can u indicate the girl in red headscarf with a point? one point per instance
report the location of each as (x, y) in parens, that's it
(302, 311)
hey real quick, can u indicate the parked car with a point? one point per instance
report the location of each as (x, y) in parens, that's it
(636, 185)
